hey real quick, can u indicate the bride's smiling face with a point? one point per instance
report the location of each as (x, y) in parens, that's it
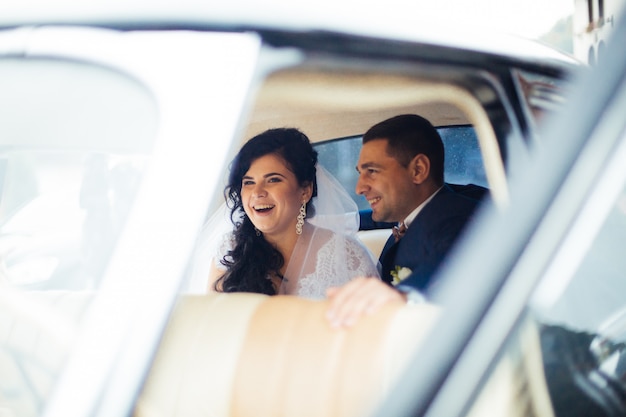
(272, 196)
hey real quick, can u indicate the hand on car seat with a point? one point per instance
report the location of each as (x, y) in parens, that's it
(360, 296)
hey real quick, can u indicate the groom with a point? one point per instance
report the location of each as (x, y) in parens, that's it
(400, 169)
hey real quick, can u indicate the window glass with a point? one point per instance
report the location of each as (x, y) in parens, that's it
(597, 291)
(463, 159)
(580, 311)
(464, 162)
(74, 143)
(60, 214)
(568, 355)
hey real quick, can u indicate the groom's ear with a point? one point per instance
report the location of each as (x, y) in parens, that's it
(420, 168)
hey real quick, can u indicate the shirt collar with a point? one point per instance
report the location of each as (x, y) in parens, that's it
(409, 219)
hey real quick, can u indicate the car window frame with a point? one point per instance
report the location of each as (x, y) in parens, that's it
(116, 339)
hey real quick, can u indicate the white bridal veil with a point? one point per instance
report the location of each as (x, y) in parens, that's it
(334, 208)
(327, 253)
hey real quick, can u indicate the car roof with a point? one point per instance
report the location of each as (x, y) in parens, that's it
(387, 30)
(393, 20)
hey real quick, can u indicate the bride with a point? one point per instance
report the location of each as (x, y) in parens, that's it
(294, 225)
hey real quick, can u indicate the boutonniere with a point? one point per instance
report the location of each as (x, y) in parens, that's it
(399, 274)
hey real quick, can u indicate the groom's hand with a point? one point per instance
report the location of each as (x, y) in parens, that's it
(361, 296)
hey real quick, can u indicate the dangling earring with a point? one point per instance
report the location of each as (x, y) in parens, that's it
(301, 217)
(258, 232)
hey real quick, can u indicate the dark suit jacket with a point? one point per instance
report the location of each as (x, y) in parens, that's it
(428, 239)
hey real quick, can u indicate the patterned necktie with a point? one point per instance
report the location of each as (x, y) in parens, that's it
(399, 231)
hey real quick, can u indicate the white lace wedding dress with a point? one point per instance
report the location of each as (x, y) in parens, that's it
(321, 259)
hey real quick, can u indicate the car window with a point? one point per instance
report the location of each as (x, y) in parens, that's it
(541, 94)
(61, 213)
(69, 170)
(463, 163)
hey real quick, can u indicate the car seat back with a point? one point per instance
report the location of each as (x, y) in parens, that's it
(255, 355)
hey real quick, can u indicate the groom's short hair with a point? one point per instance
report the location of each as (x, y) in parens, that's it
(408, 135)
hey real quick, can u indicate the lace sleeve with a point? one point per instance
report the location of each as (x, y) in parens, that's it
(361, 260)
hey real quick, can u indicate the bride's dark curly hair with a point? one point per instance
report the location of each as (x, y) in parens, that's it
(253, 260)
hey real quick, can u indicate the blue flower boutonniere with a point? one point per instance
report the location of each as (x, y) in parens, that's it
(399, 274)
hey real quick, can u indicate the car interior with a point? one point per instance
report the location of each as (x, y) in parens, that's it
(304, 365)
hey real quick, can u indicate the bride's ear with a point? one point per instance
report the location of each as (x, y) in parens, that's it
(307, 192)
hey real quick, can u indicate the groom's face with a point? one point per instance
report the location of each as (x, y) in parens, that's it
(386, 184)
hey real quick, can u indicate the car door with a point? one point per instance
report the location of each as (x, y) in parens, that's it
(543, 330)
